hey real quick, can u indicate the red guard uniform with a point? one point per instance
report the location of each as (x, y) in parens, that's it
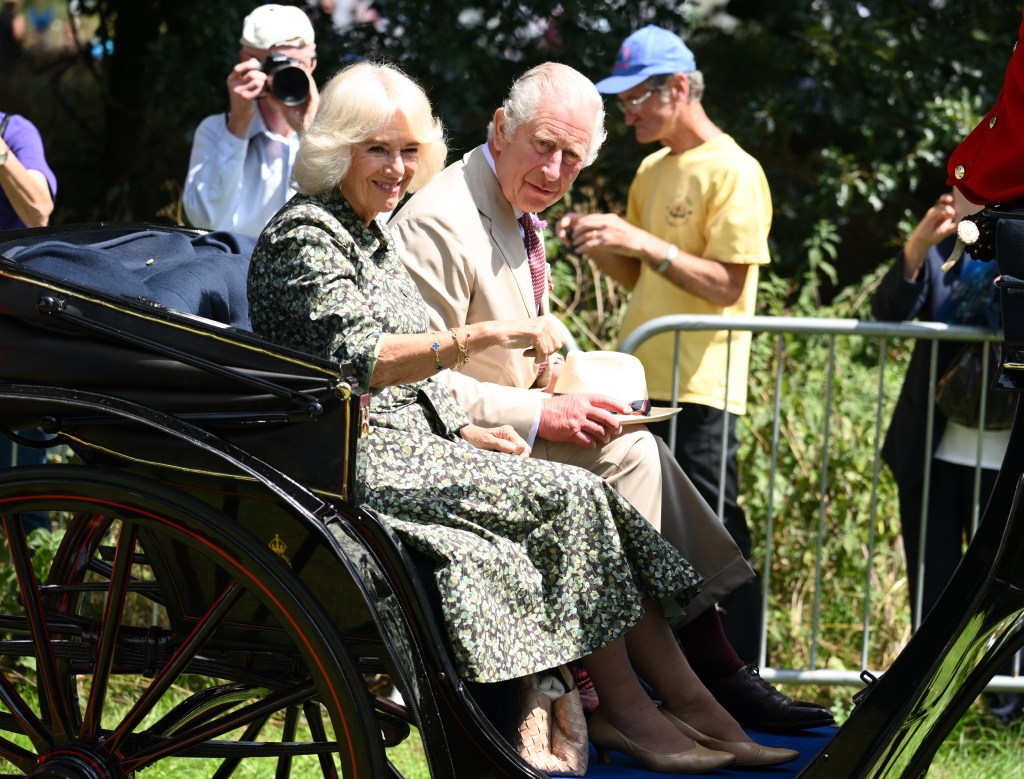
(988, 166)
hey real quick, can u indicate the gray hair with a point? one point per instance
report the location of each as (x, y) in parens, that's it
(695, 77)
(355, 105)
(553, 81)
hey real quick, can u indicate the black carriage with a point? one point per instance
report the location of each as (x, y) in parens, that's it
(218, 562)
(213, 551)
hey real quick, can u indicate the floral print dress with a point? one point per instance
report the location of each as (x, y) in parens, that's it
(537, 563)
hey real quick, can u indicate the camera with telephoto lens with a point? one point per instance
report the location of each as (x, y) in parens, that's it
(285, 79)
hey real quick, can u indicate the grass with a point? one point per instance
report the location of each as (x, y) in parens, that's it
(980, 747)
(408, 757)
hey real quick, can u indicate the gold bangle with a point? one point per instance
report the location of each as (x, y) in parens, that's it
(436, 347)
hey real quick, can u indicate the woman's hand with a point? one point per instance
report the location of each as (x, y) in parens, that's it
(496, 439)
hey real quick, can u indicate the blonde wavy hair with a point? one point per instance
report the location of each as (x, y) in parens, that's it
(355, 105)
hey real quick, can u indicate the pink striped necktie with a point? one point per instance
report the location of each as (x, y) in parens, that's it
(535, 253)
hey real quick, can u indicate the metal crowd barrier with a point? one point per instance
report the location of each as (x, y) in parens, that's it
(831, 329)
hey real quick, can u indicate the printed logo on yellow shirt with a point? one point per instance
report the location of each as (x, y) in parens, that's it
(679, 210)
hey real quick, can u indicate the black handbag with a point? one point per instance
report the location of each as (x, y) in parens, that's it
(959, 390)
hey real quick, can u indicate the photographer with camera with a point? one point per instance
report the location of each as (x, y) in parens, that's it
(240, 168)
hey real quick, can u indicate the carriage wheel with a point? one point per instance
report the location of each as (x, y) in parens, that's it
(113, 657)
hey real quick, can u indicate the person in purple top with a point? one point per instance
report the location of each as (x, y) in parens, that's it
(27, 188)
(27, 185)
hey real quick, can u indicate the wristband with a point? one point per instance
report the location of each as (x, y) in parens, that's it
(673, 250)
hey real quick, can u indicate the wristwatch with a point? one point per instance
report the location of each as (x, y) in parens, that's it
(3, 157)
(670, 257)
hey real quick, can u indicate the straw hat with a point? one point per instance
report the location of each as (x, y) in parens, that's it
(617, 374)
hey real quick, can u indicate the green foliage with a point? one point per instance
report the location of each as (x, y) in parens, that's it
(44, 546)
(980, 747)
(824, 485)
(852, 108)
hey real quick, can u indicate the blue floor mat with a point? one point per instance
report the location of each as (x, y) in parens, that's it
(807, 742)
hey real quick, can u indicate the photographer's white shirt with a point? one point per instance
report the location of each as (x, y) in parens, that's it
(236, 184)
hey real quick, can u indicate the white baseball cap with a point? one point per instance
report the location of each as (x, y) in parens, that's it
(277, 25)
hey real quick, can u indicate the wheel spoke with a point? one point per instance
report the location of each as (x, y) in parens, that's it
(31, 725)
(219, 726)
(315, 720)
(109, 626)
(242, 750)
(227, 768)
(78, 554)
(284, 763)
(162, 682)
(19, 756)
(50, 687)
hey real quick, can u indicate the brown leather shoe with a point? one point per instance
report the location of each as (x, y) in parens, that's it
(755, 703)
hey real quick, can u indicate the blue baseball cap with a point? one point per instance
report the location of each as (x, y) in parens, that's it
(650, 51)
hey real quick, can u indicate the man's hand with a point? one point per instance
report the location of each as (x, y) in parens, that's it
(554, 370)
(245, 83)
(609, 241)
(584, 420)
(540, 336)
(938, 223)
(590, 233)
(496, 439)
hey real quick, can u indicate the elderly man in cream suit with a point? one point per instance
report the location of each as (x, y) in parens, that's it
(465, 248)
(465, 242)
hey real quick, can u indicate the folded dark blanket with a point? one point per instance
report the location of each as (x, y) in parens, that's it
(203, 275)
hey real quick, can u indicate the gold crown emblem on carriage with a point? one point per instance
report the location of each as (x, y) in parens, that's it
(278, 547)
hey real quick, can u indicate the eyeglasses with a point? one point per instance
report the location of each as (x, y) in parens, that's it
(634, 105)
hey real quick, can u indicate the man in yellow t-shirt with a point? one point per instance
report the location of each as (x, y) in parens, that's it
(695, 233)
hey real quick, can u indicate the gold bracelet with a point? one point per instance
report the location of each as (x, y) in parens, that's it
(462, 356)
(436, 347)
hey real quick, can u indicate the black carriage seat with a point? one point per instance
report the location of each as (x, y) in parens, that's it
(158, 316)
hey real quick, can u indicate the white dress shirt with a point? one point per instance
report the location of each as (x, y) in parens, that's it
(235, 184)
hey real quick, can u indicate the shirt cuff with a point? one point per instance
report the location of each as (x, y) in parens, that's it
(536, 425)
